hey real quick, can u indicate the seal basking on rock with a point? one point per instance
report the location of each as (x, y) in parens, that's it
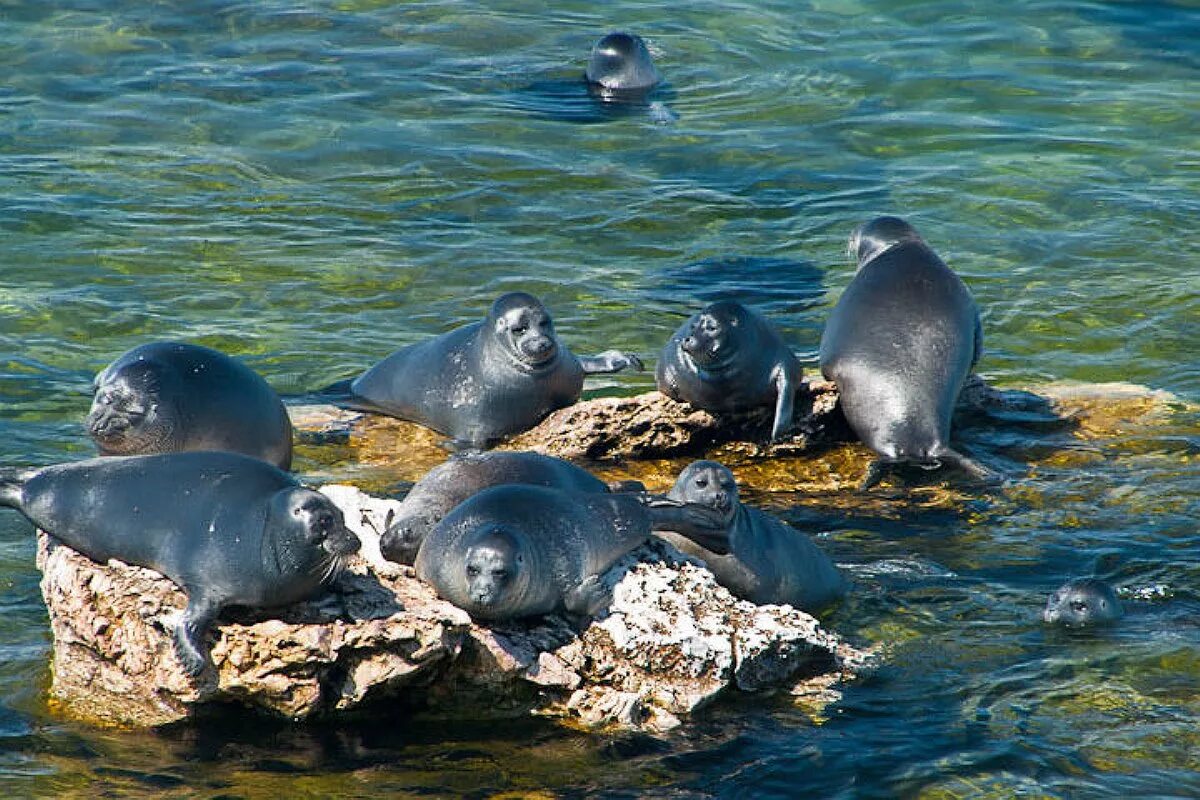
(1081, 602)
(228, 529)
(768, 561)
(519, 551)
(730, 358)
(621, 62)
(448, 484)
(165, 397)
(899, 344)
(487, 380)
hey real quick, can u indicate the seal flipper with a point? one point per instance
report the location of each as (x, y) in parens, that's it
(876, 472)
(190, 631)
(703, 524)
(589, 598)
(971, 467)
(609, 361)
(12, 485)
(785, 402)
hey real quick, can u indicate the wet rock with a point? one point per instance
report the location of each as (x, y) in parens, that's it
(673, 641)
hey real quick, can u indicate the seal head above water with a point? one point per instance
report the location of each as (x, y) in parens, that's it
(621, 62)
(1083, 602)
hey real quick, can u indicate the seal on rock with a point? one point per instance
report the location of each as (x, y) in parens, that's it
(165, 397)
(449, 483)
(899, 344)
(486, 380)
(518, 551)
(769, 562)
(228, 529)
(1081, 602)
(729, 358)
(621, 62)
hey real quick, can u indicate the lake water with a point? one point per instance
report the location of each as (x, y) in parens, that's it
(310, 186)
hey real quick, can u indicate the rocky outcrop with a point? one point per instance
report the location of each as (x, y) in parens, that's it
(672, 642)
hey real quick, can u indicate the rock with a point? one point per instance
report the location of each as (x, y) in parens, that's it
(672, 642)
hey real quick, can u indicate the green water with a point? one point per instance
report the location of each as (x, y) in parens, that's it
(311, 186)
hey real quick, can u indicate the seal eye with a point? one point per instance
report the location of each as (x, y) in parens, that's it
(520, 329)
(1079, 605)
(472, 572)
(702, 482)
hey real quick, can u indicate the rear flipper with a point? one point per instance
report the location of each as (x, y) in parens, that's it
(188, 635)
(704, 525)
(958, 461)
(881, 467)
(12, 485)
(609, 361)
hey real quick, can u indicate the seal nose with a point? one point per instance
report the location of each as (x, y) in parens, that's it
(538, 347)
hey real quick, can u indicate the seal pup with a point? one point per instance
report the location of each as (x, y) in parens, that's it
(486, 380)
(620, 63)
(768, 560)
(228, 529)
(899, 344)
(519, 551)
(165, 397)
(449, 483)
(1082, 602)
(728, 358)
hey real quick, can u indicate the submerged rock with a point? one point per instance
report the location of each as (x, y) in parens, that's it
(672, 642)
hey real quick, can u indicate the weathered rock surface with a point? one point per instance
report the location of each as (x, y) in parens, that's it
(672, 642)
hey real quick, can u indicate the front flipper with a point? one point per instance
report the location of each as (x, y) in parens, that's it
(704, 525)
(971, 467)
(626, 486)
(189, 633)
(609, 361)
(589, 598)
(785, 402)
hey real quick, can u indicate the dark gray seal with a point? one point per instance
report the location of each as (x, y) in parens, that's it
(729, 358)
(448, 484)
(518, 551)
(229, 529)
(165, 397)
(900, 342)
(768, 561)
(487, 380)
(620, 62)
(1082, 602)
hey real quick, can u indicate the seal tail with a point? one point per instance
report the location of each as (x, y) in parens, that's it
(12, 485)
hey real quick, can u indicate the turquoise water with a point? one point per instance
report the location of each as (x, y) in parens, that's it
(310, 187)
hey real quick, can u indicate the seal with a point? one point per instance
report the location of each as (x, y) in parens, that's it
(1082, 602)
(517, 551)
(165, 397)
(228, 529)
(899, 344)
(620, 62)
(450, 483)
(730, 358)
(768, 561)
(486, 380)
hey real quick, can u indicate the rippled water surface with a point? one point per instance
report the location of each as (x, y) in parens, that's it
(309, 186)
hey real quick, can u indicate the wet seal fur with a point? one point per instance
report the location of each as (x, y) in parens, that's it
(728, 358)
(620, 64)
(516, 551)
(486, 380)
(899, 344)
(228, 529)
(166, 397)
(450, 483)
(1083, 602)
(768, 562)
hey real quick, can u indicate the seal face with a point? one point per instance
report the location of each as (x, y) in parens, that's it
(899, 343)
(450, 483)
(768, 561)
(517, 551)
(167, 397)
(621, 62)
(487, 380)
(729, 358)
(1082, 602)
(228, 529)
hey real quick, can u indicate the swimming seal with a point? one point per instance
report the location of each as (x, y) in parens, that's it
(228, 529)
(768, 561)
(1081, 602)
(899, 344)
(728, 358)
(449, 483)
(165, 397)
(621, 62)
(486, 380)
(518, 551)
